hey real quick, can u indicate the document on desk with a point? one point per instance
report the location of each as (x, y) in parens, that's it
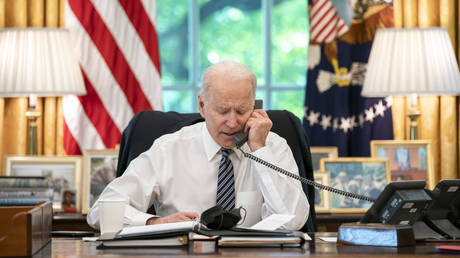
(152, 231)
(180, 240)
(329, 239)
(261, 241)
(274, 221)
(170, 234)
(158, 229)
(257, 237)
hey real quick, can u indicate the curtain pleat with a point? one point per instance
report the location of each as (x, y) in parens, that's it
(439, 121)
(14, 119)
(13, 122)
(2, 100)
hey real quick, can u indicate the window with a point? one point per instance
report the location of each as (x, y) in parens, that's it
(270, 36)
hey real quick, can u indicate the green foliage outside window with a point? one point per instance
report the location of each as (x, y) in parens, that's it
(233, 29)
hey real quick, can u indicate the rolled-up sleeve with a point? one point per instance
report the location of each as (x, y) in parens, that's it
(138, 186)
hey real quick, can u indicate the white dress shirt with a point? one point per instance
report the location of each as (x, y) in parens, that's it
(179, 173)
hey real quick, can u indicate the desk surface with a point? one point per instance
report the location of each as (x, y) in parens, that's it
(71, 247)
(326, 222)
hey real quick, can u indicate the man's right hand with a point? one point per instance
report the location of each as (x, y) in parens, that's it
(176, 217)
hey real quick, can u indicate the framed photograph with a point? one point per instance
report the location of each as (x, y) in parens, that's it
(408, 159)
(69, 200)
(99, 169)
(321, 196)
(364, 176)
(317, 153)
(65, 173)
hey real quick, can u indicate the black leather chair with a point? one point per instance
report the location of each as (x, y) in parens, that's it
(146, 126)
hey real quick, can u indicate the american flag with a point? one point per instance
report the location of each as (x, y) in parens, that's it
(117, 46)
(325, 22)
(335, 114)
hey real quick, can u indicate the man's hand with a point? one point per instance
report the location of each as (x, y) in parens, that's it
(176, 217)
(259, 125)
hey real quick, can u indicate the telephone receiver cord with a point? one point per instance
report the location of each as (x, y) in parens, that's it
(305, 180)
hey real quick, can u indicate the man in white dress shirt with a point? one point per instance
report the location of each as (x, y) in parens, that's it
(179, 173)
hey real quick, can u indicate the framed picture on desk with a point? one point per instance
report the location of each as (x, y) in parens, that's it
(363, 176)
(100, 167)
(408, 159)
(321, 196)
(321, 152)
(64, 172)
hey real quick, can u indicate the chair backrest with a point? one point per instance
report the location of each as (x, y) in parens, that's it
(147, 126)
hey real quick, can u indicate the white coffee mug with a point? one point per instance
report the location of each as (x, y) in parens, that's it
(111, 213)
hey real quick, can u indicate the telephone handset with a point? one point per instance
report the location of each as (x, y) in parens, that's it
(240, 138)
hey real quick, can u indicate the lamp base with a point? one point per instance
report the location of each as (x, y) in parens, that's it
(413, 113)
(32, 114)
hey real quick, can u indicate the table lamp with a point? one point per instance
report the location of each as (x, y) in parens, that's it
(38, 62)
(411, 61)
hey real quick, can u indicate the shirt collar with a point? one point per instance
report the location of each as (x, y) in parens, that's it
(212, 148)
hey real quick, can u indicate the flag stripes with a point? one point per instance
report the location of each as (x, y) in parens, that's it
(70, 142)
(133, 50)
(79, 127)
(113, 56)
(97, 114)
(117, 46)
(139, 18)
(326, 25)
(112, 97)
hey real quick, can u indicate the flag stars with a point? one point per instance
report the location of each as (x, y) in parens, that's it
(389, 101)
(361, 120)
(326, 121)
(369, 114)
(335, 124)
(345, 124)
(313, 118)
(353, 122)
(379, 109)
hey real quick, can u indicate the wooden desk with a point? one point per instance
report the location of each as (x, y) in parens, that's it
(330, 222)
(71, 222)
(326, 222)
(315, 248)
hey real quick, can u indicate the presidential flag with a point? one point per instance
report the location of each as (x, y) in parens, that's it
(335, 114)
(117, 47)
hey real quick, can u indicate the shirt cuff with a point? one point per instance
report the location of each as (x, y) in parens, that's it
(136, 217)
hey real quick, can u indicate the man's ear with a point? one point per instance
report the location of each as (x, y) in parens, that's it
(201, 106)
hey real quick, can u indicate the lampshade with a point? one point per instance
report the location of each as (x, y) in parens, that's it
(38, 61)
(411, 61)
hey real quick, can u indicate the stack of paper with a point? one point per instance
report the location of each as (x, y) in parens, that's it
(177, 234)
(171, 234)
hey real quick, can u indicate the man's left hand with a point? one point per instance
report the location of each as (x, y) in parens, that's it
(259, 125)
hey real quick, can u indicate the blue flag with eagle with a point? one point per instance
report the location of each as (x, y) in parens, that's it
(335, 114)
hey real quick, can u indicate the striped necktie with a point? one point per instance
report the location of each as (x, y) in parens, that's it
(225, 182)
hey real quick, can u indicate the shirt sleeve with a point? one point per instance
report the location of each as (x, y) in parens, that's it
(282, 194)
(138, 186)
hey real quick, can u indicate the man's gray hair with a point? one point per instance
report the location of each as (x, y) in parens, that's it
(231, 69)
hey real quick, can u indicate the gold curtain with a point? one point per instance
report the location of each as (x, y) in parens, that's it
(439, 121)
(13, 122)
